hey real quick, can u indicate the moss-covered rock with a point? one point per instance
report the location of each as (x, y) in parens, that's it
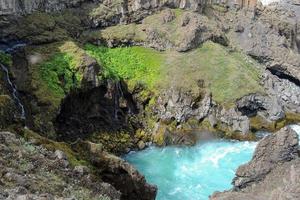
(41, 170)
(5, 59)
(8, 112)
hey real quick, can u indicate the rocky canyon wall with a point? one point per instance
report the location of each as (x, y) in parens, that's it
(11, 7)
(8, 7)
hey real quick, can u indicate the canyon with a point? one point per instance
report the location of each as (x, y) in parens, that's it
(85, 81)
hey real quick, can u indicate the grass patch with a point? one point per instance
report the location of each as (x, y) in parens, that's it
(5, 59)
(59, 69)
(228, 75)
(60, 73)
(119, 32)
(136, 65)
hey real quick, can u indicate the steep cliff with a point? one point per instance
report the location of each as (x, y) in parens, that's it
(123, 6)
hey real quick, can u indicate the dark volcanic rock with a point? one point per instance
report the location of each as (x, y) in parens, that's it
(273, 172)
(100, 109)
(252, 104)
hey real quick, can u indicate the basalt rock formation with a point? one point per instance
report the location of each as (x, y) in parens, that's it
(273, 172)
(267, 34)
(227, 67)
(123, 6)
(34, 172)
(38, 168)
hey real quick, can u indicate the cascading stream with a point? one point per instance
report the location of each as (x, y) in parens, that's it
(14, 91)
(193, 173)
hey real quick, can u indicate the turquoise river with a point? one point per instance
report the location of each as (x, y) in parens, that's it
(193, 173)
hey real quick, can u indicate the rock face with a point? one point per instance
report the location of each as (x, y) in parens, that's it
(124, 177)
(181, 106)
(24, 178)
(273, 42)
(100, 109)
(29, 6)
(273, 172)
(252, 104)
(33, 172)
(127, 179)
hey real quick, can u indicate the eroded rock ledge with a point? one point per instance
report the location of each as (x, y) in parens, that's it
(33, 167)
(273, 172)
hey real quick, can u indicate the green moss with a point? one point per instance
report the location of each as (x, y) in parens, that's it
(51, 145)
(60, 74)
(59, 69)
(228, 75)
(119, 32)
(136, 65)
(5, 59)
(258, 123)
(40, 28)
(112, 142)
(159, 136)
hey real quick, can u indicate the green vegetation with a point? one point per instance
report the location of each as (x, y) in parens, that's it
(5, 59)
(60, 73)
(51, 145)
(258, 123)
(171, 30)
(132, 32)
(228, 75)
(59, 68)
(137, 65)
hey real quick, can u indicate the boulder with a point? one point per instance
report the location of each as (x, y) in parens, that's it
(273, 172)
(125, 178)
(141, 145)
(272, 150)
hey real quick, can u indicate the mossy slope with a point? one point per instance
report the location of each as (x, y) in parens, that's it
(228, 75)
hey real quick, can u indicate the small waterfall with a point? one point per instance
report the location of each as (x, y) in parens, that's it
(118, 95)
(14, 91)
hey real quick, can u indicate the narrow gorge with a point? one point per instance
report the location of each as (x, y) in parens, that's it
(149, 99)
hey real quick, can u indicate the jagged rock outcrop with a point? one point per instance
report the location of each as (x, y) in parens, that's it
(286, 92)
(273, 172)
(33, 172)
(180, 30)
(124, 177)
(254, 104)
(36, 168)
(270, 35)
(180, 105)
(29, 6)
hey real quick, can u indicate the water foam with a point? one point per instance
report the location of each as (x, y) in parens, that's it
(193, 173)
(296, 127)
(267, 2)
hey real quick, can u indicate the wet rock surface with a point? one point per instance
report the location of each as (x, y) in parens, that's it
(273, 172)
(94, 110)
